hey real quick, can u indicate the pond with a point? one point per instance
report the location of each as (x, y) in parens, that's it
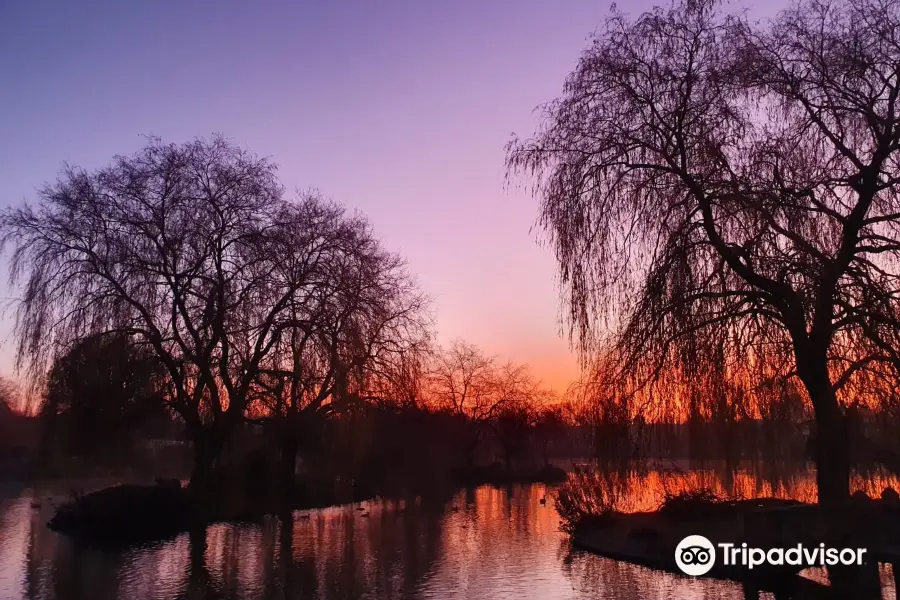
(482, 543)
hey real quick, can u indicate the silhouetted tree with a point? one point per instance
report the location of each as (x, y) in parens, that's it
(10, 418)
(551, 428)
(711, 184)
(99, 392)
(512, 427)
(10, 399)
(521, 400)
(462, 382)
(402, 382)
(606, 411)
(194, 251)
(360, 324)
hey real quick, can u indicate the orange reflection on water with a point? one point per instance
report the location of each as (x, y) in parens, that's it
(476, 544)
(645, 490)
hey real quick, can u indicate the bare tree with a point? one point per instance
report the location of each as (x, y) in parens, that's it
(555, 430)
(10, 395)
(725, 193)
(352, 331)
(521, 402)
(191, 249)
(609, 414)
(400, 382)
(464, 383)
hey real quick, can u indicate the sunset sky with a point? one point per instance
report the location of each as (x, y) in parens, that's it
(400, 109)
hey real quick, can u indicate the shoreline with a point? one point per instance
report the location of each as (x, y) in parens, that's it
(649, 539)
(776, 580)
(126, 514)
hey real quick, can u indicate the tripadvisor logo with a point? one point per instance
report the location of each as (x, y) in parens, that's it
(695, 555)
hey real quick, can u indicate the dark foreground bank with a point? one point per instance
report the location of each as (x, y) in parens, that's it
(650, 539)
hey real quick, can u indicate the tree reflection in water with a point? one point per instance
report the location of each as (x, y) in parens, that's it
(480, 543)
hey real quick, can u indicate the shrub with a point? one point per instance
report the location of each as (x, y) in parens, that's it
(586, 498)
(691, 503)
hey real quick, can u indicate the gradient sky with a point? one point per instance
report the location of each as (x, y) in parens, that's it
(400, 109)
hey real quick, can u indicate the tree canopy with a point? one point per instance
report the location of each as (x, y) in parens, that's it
(98, 392)
(722, 198)
(194, 251)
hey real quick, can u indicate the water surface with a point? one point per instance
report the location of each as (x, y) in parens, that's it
(485, 543)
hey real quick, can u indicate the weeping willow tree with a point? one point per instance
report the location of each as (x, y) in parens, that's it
(193, 251)
(722, 199)
(364, 320)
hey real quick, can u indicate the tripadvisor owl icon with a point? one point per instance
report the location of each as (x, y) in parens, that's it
(695, 555)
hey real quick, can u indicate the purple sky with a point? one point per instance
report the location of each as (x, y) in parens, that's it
(400, 109)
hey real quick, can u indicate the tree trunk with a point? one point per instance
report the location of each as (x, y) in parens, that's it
(831, 453)
(287, 484)
(205, 453)
(832, 457)
(471, 452)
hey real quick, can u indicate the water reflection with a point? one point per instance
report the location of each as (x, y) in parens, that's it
(643, 488)
(479, 544)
